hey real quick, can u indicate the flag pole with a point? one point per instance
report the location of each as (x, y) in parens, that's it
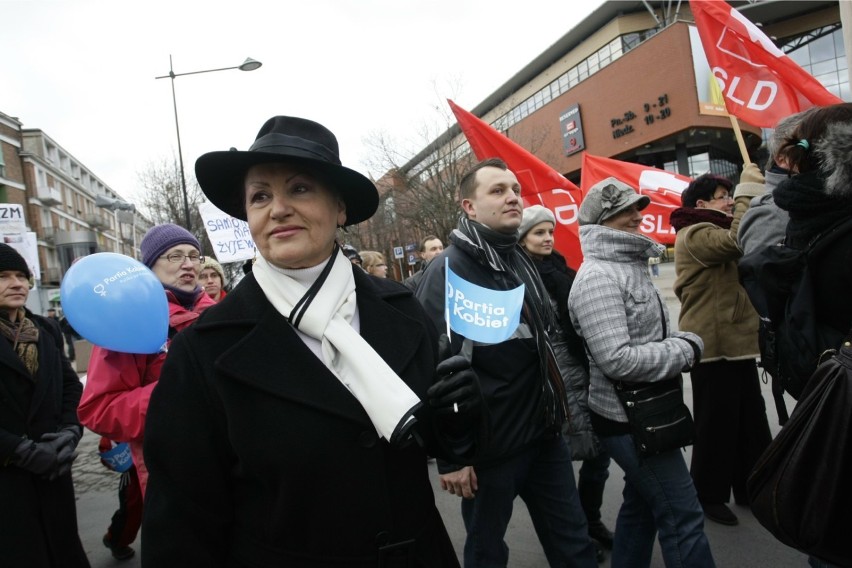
(447, 296)
(740, 141)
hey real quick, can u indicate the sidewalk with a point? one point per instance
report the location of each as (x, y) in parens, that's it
(97, 500)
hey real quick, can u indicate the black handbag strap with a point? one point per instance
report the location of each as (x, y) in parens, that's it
(619, 385)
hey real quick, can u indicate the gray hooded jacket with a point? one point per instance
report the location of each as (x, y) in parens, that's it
(616, 309)
(764, 223)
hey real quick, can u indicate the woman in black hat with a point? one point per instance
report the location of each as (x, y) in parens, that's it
(288, 427)
(39, 431)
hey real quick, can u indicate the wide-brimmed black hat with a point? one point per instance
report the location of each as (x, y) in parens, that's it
(286, 139)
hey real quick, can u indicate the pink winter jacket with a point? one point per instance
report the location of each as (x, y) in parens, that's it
(119, 385)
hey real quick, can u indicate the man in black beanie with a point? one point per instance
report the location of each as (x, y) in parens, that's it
(39, 430)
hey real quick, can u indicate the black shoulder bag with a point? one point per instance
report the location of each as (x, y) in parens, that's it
(801, 487)
(658, 418)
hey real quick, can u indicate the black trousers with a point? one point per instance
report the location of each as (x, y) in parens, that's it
(591, 483)
(128, 518)
(69, 342)
(731, 428)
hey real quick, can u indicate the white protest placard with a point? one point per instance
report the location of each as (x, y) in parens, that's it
(230, 237)
(12, 218)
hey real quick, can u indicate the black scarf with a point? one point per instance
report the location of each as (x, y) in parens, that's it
(557, 279)
(184, 298)
(503, 254)
(811, 209)
(683, 217)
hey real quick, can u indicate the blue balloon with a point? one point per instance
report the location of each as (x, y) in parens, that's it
(116, 302)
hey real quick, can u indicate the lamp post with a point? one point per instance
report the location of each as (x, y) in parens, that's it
(119, 209)
(248, 65)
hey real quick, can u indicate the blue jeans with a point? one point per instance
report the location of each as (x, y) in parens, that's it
(543, 477)
(658, 496)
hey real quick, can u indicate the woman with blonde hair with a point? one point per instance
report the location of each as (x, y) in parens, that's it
(374, 263)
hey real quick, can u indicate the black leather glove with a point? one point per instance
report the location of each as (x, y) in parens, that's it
(67, 436)
(64, 465)
(457, 389)
(37, 458)
(64, 442)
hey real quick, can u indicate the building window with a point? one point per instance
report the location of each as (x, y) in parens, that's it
(583, 68)
(825, 59)
(594, 62)
(632, 40)
(706, 162)
(2, 164)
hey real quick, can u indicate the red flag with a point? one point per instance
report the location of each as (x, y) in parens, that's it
(760, 84)
(664, 189)
(540, 184)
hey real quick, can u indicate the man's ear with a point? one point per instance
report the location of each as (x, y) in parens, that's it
(468, 207)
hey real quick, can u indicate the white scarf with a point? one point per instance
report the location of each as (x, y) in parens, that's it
(389, 402)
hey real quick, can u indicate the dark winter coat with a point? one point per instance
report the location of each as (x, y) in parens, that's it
(509, 372)
(570, 356)
(38, 518)
(259, 456)
(812, 212)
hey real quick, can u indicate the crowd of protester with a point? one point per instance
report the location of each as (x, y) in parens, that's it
(290, 418)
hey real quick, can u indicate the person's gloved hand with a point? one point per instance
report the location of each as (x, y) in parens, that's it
(67, 436)
(752, 174)
(63, 442)
(751, 183)
(64, 463)
(35, 457)
(457, 389)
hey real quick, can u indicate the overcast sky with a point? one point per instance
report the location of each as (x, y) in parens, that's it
(83, 71)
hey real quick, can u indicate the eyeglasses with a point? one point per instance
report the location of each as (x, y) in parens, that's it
(726, 197)
(180, 258)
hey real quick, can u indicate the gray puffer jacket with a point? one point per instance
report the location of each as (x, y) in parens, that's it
(616, 309)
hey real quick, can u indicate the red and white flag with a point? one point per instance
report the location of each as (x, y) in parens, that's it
(664, 189)
(759, 83)
(540, 184)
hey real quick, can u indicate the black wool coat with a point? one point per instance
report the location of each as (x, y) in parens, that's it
(38, 518)
(259, 456)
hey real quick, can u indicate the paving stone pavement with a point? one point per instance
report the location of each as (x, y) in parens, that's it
(88, 471)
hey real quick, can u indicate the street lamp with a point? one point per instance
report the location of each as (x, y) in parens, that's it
(248, 65)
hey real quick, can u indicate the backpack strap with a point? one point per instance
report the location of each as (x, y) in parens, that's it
(780, 404)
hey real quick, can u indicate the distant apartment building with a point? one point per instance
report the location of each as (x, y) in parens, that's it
(70, 210)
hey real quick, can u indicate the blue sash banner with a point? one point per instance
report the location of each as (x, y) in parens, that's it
(481, 314)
